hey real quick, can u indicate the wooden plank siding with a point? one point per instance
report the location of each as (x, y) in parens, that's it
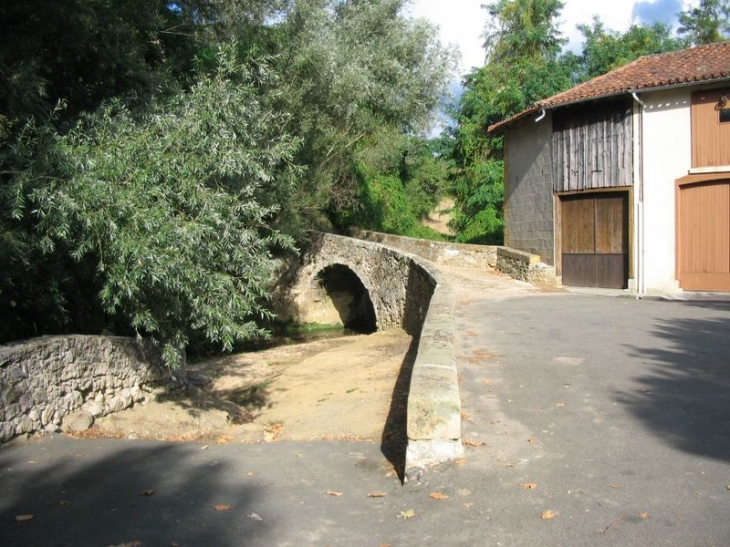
(710, 136)
(703, 233)
(592, 147)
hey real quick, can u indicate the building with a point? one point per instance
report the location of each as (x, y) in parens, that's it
(624, 181)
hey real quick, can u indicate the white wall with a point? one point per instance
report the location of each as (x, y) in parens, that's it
(667, 153)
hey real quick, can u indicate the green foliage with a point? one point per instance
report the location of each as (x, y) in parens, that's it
(480, 192)
(605, 50)
(522, 67)
(706, 23)
(385, 204)
(356, 72)
(174, 207)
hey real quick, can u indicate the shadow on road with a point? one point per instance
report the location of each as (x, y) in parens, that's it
(685, 396)
(148, 494)
(394, 441)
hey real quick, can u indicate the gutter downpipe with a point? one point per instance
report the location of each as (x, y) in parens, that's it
(542, 114)
(641, 259)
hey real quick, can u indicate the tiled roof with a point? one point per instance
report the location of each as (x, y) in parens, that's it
(695, 65)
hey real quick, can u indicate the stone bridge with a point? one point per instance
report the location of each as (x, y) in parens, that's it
(366, 285)
(377, 282)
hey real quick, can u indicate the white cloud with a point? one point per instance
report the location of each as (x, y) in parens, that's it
(462, 22)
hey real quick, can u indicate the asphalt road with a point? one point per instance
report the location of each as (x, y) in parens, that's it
(587, 421)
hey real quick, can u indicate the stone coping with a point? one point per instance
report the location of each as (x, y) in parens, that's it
(434, 398)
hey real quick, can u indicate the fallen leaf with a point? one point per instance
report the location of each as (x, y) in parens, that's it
(205, 447)
(223, 507)
(222, 440)
(460, 461)
(377, 495)
(615, 486)
(438, 496)
(532, 440)
(249, 474)
(64, 503)
(385, 545)
(406, 514)
(24, 518)
(332, 493)
(560, 405)
(644, 515)
(547, 515)
(470, 442)
(254, 516)
(272, 432)
(147, 492)
(529, 486)
(468, 505)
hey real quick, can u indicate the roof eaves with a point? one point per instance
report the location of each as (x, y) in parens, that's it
(500, 126)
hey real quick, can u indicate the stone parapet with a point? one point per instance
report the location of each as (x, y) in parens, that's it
(459, 255)
(524, 267)
(46, 379)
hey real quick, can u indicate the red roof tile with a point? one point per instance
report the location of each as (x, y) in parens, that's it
(695, 65)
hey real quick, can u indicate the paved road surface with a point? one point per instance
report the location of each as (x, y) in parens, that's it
(608, 414)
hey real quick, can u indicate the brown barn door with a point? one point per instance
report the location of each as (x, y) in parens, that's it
(595, 240)
(704, 236)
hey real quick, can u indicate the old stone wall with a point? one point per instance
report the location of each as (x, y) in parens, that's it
(398, 288)
(46, 379)
(459, 255)
(525, 267)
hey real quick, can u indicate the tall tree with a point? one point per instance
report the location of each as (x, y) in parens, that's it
(706, 23)
(171, 208)
(355, 73)
(522, 44)
(605, 50)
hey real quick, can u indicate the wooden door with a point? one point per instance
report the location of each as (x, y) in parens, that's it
(703, 231)
(595, 240)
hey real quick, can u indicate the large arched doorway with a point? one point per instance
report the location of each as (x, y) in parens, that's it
(341, 294)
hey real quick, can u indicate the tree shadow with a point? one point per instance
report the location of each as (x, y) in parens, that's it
(113, 494)
(685, 396)
(394, 441)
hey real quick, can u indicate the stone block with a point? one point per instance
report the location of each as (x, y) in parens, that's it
(77, 422)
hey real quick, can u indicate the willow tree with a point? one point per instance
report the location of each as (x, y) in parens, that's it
(171, 207)
(357, 75)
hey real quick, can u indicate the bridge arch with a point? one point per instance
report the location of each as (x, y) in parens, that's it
(338, 295)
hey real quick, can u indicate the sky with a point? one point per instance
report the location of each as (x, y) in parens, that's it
(462, 22)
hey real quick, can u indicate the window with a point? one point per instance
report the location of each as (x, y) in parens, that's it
(723, 107)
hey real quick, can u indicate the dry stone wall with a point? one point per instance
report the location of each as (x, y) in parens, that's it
(44, 380)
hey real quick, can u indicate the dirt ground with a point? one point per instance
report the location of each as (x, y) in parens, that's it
(338, 388)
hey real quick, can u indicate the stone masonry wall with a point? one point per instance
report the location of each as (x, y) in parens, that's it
(459, 255)
(525, 267)
(528, 207)
(399, 293)
(46, 379)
